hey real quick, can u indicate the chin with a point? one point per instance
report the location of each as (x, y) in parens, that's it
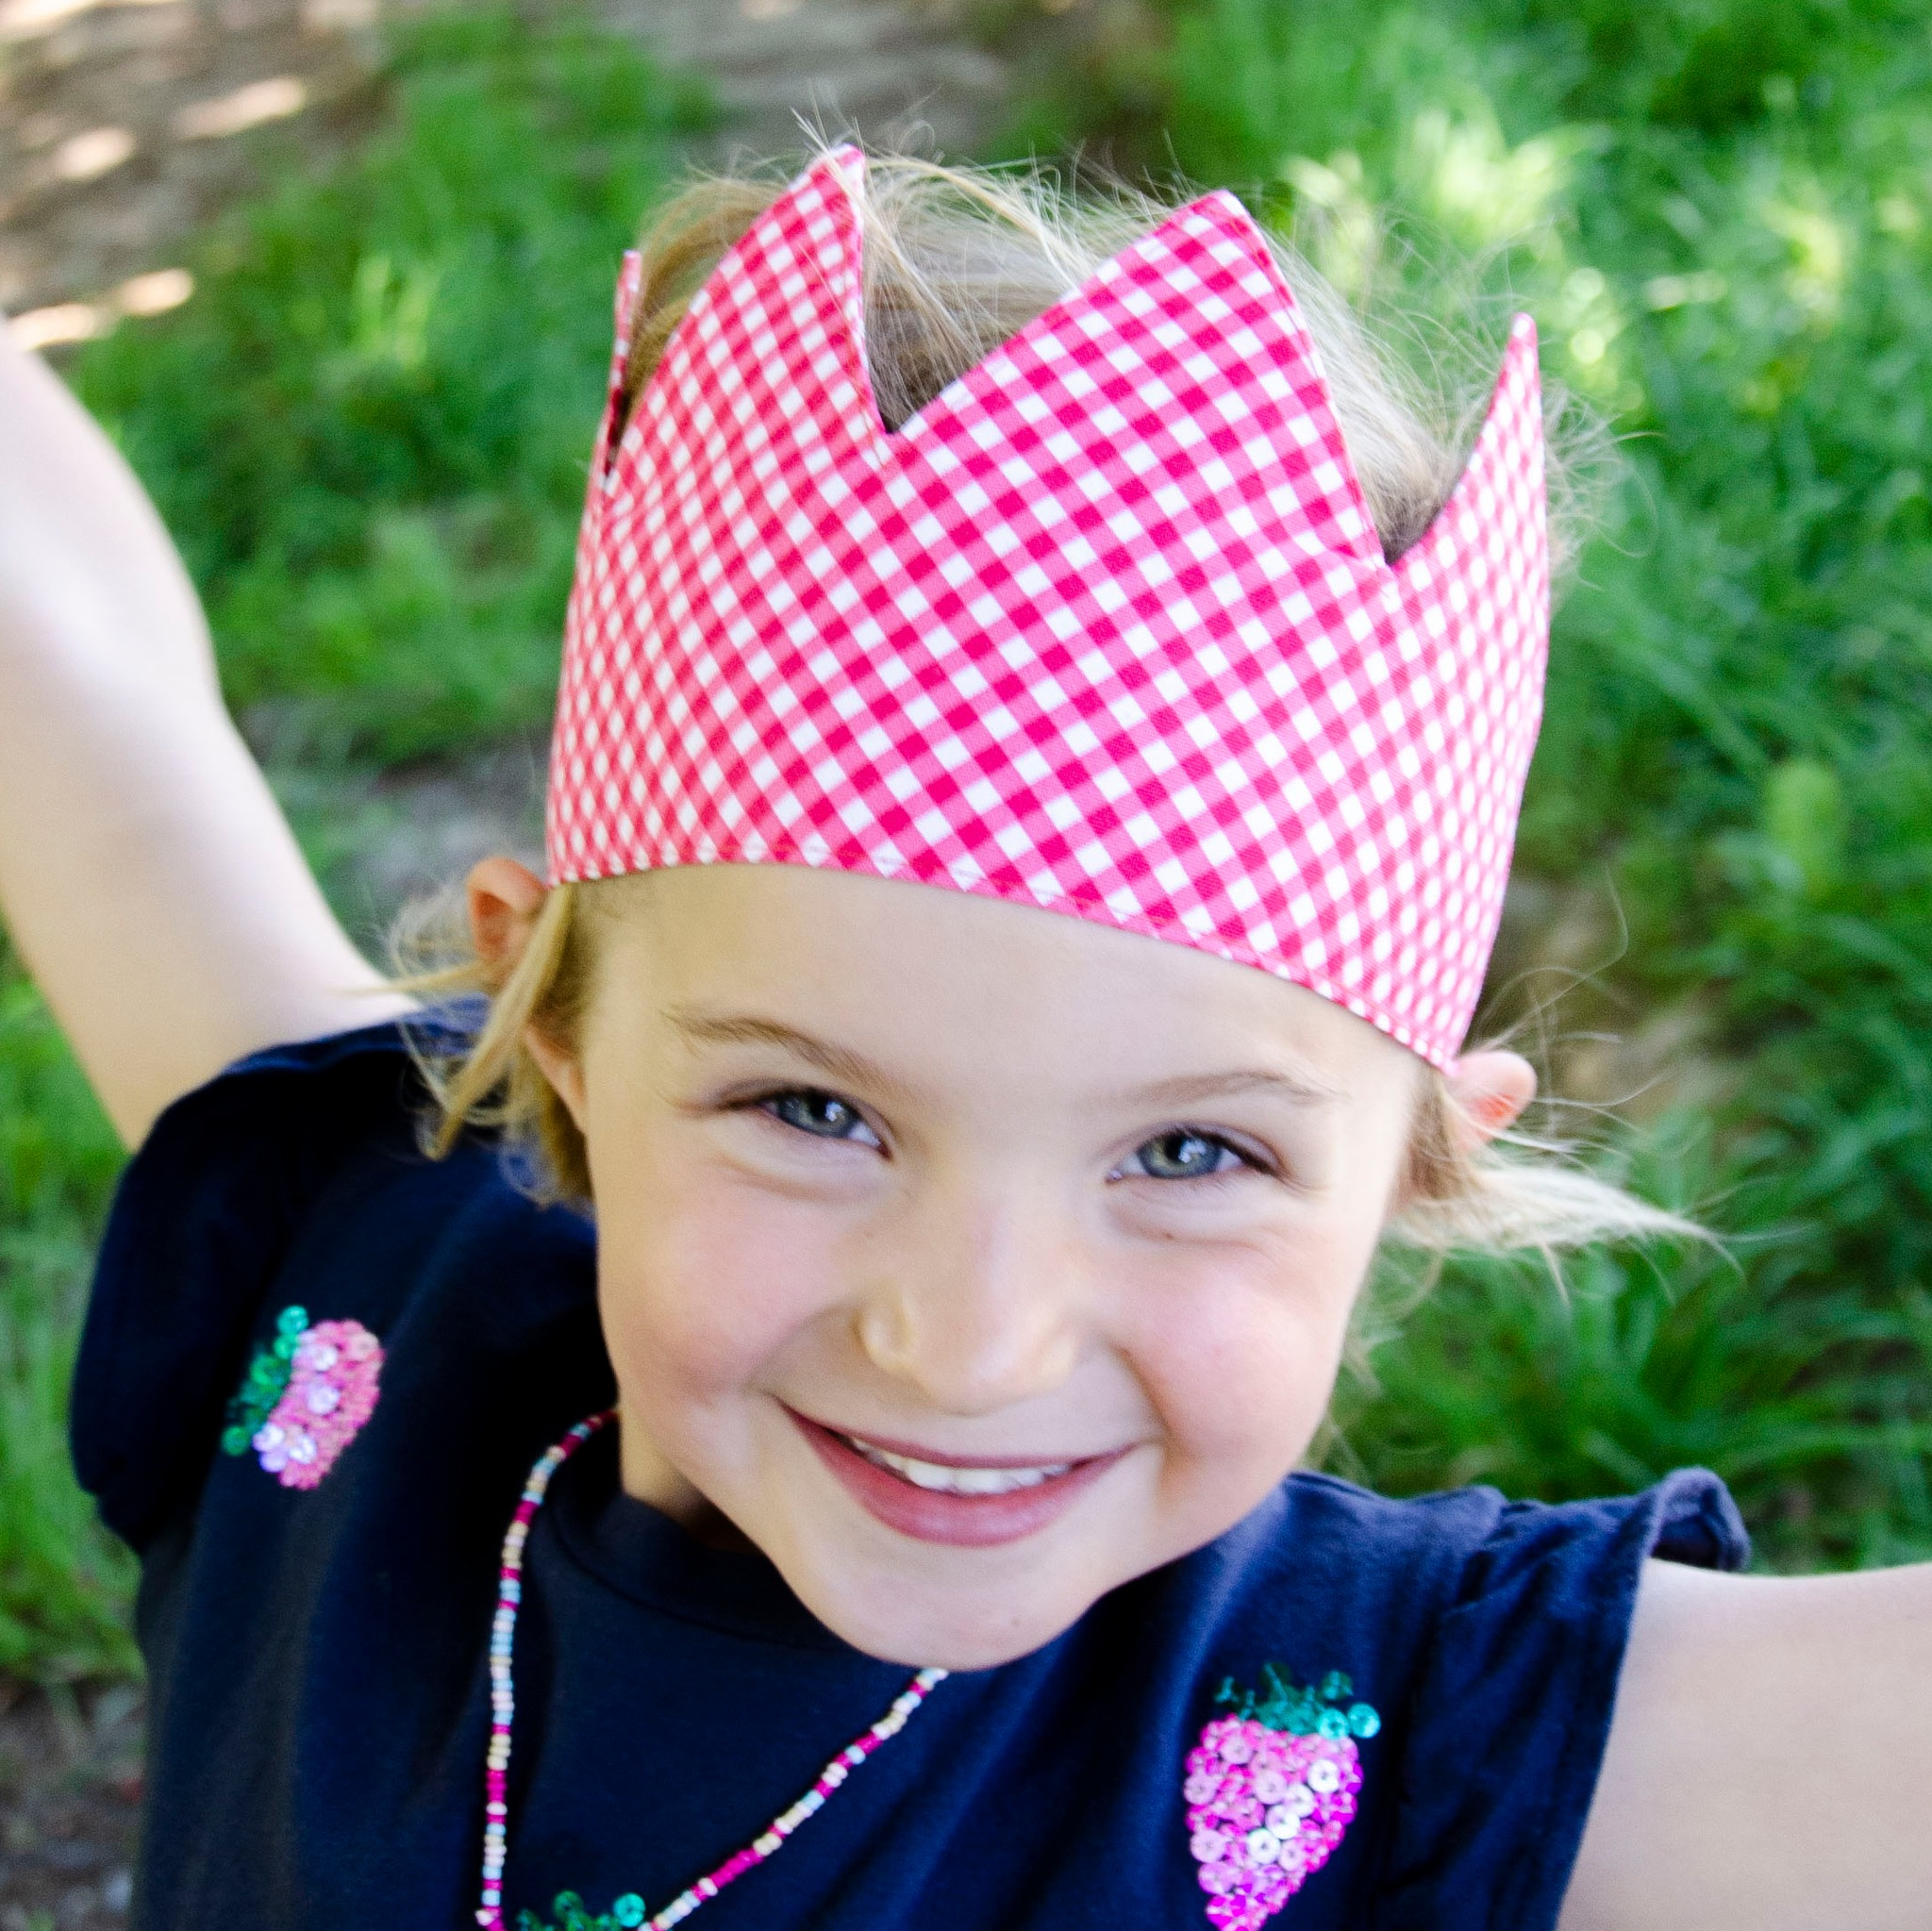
(940, 1627)
(931, 1591)
(950, 1608)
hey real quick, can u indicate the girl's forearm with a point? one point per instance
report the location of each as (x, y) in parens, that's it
(87, 569)
(147, 874)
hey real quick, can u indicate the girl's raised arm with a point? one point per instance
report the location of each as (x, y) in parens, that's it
(1769, 1766)
(147, 874)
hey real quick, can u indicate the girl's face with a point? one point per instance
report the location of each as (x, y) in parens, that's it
(970, 1260)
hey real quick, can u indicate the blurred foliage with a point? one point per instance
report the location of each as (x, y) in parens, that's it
(1720, 213)
(63, 1580)
(368, 430)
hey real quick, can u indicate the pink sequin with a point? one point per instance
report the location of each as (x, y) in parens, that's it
(331, 1393)
(1236, 1762)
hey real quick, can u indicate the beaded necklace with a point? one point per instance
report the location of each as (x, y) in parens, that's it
(629, 1910)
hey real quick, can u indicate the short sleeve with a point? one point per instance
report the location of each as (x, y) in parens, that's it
(1515, 1695)
(201, 1217)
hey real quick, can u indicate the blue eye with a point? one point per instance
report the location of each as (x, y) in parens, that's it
(1184, 1153)
(825, 1115)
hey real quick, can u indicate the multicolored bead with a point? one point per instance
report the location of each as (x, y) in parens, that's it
(629, 1909)
(1270, 1791)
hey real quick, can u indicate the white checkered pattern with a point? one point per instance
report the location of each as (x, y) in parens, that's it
(1105, 629)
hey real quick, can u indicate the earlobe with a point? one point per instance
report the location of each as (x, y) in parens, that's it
(1487, 1091)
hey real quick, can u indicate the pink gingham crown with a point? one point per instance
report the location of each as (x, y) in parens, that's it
(1106, 628)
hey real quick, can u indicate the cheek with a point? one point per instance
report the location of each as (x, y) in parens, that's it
(1240, 1353)
(704, 1280)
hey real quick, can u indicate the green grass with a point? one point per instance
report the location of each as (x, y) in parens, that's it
(1720, 212)
(63, 1581)
(368, 431)
(368, 428)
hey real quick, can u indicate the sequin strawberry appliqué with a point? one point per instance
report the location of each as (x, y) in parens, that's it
(305, 1397)
(1270, 1791)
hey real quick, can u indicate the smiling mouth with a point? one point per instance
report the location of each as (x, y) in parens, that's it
(952, 1478)
(974, 1503)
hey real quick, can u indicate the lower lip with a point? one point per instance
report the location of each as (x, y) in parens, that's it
(966, 1521)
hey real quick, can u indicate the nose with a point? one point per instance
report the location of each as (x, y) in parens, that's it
(975, 1305)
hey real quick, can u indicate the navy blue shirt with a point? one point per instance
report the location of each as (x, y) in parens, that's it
(318, 1654)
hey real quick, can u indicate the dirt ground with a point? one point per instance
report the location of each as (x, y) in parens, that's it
(69, 1796)
(123, 126)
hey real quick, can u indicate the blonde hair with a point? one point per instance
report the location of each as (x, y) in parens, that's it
(957, 261)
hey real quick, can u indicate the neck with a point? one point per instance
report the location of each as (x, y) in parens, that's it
(649, 1476)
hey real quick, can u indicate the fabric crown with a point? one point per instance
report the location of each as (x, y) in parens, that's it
(1105, 629)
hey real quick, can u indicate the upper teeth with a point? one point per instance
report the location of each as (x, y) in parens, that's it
(949, 1480)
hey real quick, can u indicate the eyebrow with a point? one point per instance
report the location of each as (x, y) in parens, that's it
(1302, 1090)
(747, 1029)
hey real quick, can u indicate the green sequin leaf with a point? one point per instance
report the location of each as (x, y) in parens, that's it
(572, 1915)
(1311, 1712)
(265, 1382)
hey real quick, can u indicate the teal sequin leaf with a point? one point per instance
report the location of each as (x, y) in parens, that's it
(262, 1387)
(574, 1915)
(1312, 1712)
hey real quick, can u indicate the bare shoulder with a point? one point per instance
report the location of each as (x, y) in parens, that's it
(1770, 1762)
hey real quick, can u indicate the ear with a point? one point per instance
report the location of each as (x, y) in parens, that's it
(1488, 1090)
(505, 900)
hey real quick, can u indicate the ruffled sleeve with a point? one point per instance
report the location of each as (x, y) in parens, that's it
(1514, 1696)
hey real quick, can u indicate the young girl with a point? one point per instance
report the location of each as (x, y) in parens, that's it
(1036, 764)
